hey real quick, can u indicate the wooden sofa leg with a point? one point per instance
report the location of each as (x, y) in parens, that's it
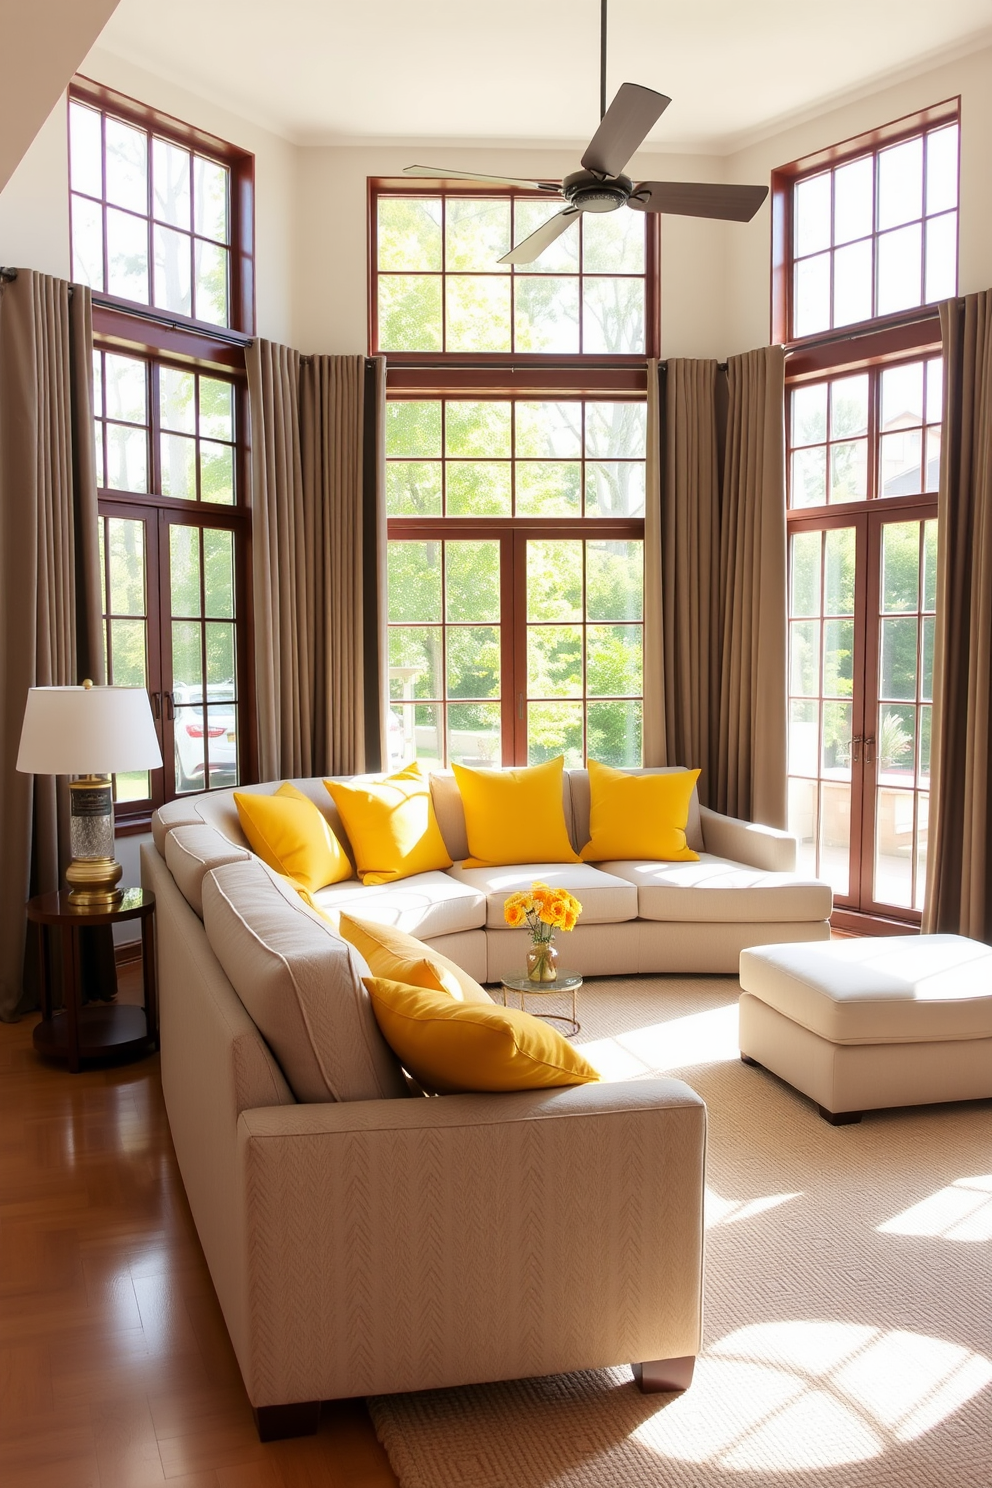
(274, 1422)
(840, 1118)
(656, 1376)
(746, 1059)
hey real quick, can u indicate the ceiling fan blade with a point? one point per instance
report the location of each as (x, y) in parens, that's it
(444, 173)
(698, 199)
(624, 128)
(532, 247)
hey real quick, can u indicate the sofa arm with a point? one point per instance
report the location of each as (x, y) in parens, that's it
(415, 1244)
(748, 842)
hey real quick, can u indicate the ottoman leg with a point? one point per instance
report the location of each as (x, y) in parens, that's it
(840, 1118)
(746, 1059)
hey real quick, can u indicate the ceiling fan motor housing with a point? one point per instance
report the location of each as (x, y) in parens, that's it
(593, 193)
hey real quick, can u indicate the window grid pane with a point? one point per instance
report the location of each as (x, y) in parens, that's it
(832, 456)
(523, 460)
(150, 219)
(441, 288)
(877, 234)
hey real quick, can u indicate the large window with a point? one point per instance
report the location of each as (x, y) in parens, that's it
(438, 286)
(861, 608)
(515, 498)
(866, 237)
(159, 213)
(871, 232)
(515, 579)
(171, 535)
(161, 230)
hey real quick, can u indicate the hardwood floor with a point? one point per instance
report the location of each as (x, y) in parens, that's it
(115, 1366)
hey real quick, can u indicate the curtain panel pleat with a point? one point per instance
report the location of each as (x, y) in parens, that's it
(715, 580)
(959, 884)
(311, 492)
(750, 776)
(50, 610)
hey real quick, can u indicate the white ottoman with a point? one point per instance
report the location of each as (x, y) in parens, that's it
(858, 1025)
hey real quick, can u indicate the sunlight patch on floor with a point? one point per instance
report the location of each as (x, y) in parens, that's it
(962, 1211)
(698, 1038)
(719, 1211)
(811, 1395)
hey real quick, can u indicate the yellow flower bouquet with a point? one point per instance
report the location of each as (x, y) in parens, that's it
(543, 910)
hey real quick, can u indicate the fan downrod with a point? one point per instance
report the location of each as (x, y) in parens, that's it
(595, 193)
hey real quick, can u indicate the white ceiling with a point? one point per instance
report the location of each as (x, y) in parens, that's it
(525, 71)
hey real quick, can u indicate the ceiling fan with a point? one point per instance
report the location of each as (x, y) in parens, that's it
(601, 186)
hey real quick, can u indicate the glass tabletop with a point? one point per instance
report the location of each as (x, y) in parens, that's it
(565, 981)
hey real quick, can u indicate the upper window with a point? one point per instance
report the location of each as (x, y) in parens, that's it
(870, 231)
(155, 210)
(439, 288)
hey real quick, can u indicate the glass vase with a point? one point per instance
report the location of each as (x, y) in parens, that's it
(542, 961)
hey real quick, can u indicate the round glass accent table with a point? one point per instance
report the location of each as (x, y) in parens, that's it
(565, 984)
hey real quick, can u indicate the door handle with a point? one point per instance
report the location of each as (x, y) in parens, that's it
(856, 749)
(156, 698)
(870, 749)
(170, 711)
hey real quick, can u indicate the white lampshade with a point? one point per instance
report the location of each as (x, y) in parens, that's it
(87, 731)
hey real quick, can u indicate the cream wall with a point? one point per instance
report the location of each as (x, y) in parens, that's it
(748, 262)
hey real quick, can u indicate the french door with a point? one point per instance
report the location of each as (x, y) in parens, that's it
(861, 630)
(173, 596)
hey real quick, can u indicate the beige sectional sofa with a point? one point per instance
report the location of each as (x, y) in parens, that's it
(636, 916)
(364, 1240)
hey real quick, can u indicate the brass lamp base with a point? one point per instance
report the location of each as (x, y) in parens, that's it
(93, 883)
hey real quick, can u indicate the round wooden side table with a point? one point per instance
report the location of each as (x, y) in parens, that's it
(79, 1031)
(566, 984)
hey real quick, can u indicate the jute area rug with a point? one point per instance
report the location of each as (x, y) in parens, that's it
(848, 1302)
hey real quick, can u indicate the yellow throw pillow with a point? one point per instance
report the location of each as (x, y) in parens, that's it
(638, 816)
(291, 835)
(391, 825)
(515, 816)
(402, 958)
(453, 1046)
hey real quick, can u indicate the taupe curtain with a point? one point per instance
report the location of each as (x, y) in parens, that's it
(318, 552)
(49, 575)
(959, 882)
(750, 779)
(715, 579)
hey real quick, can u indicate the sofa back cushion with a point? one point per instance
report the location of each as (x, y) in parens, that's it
(192, 852)
(301, 984)
(579, 785)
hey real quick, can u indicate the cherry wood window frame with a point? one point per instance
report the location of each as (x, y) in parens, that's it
(130, 338)
(512, 534)
(858, 910)
(384, 186)
(241, 165)
(783, 183)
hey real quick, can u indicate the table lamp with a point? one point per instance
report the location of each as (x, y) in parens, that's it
(91, 733)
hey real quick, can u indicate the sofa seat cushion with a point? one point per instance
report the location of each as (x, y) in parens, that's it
(721, 892)
(879, 990)
(425, 905)
(301, 985)
(605, 898)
